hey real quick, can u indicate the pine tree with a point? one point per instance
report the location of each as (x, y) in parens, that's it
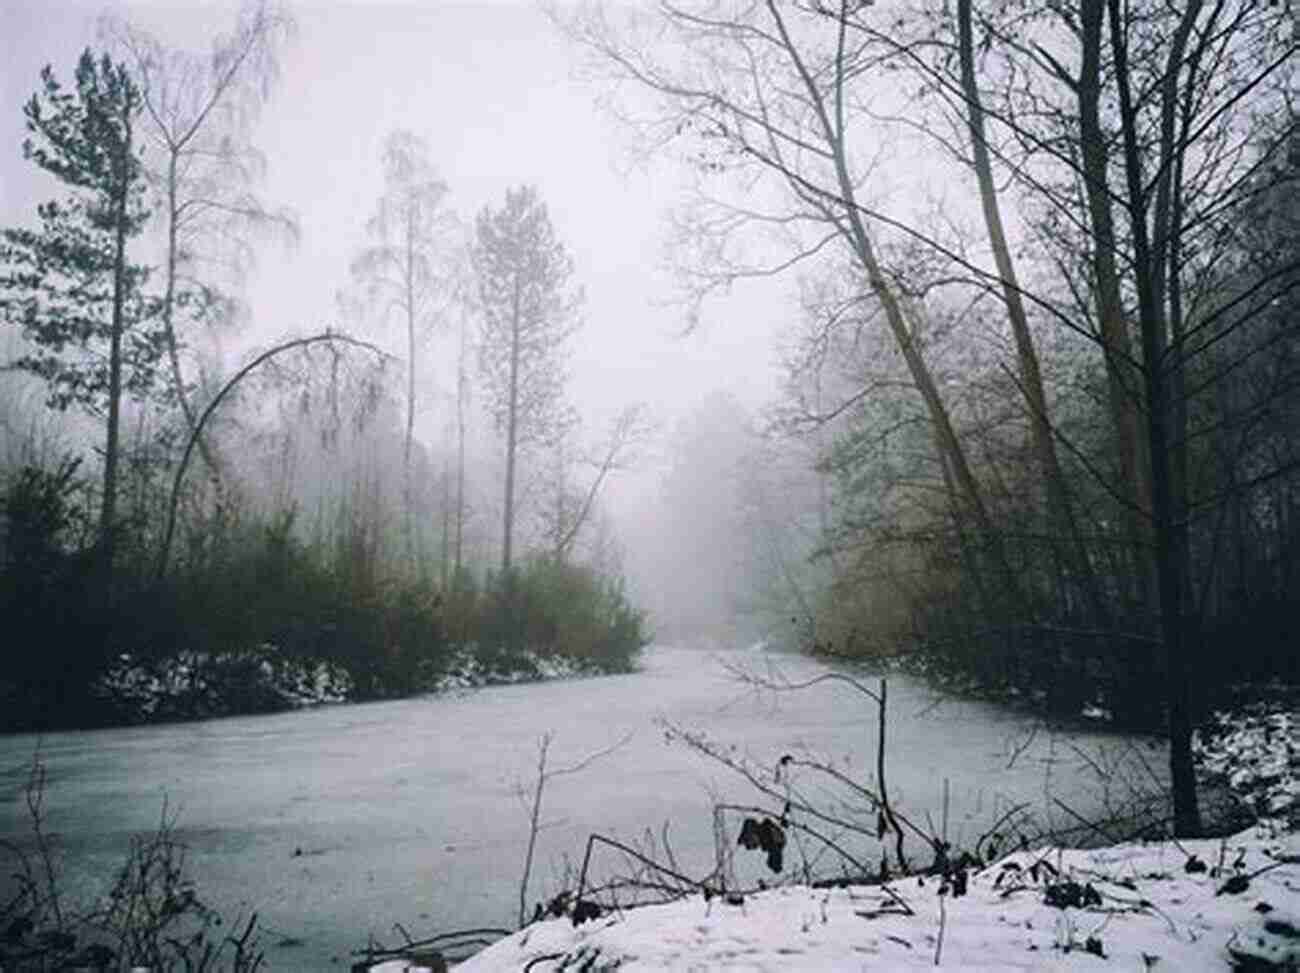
(528, 309)
(69, 285)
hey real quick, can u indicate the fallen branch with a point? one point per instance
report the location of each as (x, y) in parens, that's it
(578, 905)
(458, 938)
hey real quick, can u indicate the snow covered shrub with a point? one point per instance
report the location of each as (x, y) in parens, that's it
(192, 685)
(1255, 752)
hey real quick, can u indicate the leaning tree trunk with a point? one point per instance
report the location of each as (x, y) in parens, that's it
(178, 478)
(829, 119)
(1123, 380)
(1060, 511)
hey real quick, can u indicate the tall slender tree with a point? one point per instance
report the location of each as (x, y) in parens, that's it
(198, 111)
(1029, 378)
(528, 306)
(69, 285)
(406, 265)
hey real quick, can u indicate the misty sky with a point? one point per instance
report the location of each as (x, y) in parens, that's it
(494, 89)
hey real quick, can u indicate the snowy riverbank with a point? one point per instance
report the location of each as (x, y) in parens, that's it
(1191, 905)
(194, 685)
(1220, 903)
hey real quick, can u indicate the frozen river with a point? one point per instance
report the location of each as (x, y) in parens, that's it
(335, 823)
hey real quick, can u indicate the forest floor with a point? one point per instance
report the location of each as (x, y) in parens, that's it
(1230, 902)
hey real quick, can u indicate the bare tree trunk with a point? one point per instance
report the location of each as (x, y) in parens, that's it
(1061, 514)
(169, 313)
(458, 557)
(177, 128)
(967, 487)
(1167, 219)
(174, 498)
(408, 501)
(1122, 378)
(956, 510)
(830, 120)
(512, 433)
(1170, 529)
(444, 561)
(560, 520)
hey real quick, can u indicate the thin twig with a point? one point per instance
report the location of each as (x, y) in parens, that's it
(1105, 835)
(543, 775)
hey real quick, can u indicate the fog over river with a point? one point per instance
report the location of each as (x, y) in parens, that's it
(337, 822)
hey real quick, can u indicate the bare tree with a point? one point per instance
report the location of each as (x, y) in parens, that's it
(1030, 375)
(200, 111)
(572, 506)
(405, 267)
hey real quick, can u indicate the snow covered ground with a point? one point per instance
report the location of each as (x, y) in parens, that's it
(1135, 905)
(1230, 903)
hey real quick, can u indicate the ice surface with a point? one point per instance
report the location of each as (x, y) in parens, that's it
(337, 823)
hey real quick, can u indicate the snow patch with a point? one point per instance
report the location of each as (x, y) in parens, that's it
(198, 683)
(1256, 753)
(467, 670)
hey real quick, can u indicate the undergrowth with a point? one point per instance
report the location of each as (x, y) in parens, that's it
(151, 916)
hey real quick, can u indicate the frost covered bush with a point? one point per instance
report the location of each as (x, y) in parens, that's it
(466, 669)
(193, 685)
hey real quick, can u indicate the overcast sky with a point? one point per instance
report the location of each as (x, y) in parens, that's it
(492, 87)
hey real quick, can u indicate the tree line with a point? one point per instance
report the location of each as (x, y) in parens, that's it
(226, 533)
